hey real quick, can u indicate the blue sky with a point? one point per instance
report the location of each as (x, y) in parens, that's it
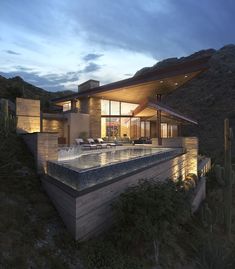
(57, 44)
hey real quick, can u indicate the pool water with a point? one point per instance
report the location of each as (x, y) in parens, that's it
(100, 159)
(94, 168)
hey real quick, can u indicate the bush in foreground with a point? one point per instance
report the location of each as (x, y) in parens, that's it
(147, 219)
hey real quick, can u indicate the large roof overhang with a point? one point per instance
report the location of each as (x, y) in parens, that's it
(138, 88)
(148, 109)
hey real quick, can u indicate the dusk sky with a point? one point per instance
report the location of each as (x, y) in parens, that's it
(58, 44)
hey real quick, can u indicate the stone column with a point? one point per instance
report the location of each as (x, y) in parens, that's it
(73, 105)
(95, 117)
(159, 127)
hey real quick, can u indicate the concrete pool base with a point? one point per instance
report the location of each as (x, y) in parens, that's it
(88, 212)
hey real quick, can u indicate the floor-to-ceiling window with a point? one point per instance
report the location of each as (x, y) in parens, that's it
(164, 130)
(169, 130)
(145, 128)
(172, 130)
(117, 120)
(125, 127)
(135, 128)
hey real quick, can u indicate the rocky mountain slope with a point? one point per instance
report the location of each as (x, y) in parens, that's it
(208, 98)
(17, 87)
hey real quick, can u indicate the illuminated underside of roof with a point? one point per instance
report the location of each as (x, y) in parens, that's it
(149, 109)
(138, 88)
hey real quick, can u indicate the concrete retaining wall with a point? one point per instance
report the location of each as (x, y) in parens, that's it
(88, 212)
(190, 144)
(204, 166)
(44, 147)
(52, 126)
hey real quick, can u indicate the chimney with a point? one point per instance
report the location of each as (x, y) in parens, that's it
(87, 85)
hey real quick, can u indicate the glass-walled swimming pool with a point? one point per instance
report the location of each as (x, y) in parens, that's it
(94, 168)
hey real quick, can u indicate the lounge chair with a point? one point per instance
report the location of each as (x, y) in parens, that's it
(143, 140)
(84, 145)
(100, 142)
(109, 144)
(91, 142)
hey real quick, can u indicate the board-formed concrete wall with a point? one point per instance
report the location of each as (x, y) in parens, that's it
(28, 115)
(44, 147)
(78, 123)
(88, 212)
(52, 126)
(190, 144)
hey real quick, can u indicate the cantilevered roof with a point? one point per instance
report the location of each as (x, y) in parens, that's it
(138, 88)
(149, 109)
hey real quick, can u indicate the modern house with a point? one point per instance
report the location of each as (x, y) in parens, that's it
(129, 108)
(83, 183)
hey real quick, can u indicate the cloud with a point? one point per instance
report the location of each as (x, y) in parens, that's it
(163, 28)
(91, 67)
(51, 82)
(112, 38)
(12, 52)
(22, 68)
(92, 57)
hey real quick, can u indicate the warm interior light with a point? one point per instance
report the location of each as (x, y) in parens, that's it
(176, 83)
(161, 81)
(185, 76)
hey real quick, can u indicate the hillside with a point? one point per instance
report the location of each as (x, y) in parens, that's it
(209, 97)
(17, 87)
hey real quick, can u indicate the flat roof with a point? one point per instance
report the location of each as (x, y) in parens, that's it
(144, 84)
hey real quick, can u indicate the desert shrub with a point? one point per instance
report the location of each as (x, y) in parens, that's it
(152, 213)
(147, 218)
(103, 254)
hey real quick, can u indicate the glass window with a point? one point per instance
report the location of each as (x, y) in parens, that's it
(78, 104)
(135, 128)
(103, 127)
(128, 108)
(110, 127)
(105, 107)
(114, 127)
(147, 128)
(164, 130)
(67, 106)
(172, 130)
(142, 129)
(115, 108)
(125, 127)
